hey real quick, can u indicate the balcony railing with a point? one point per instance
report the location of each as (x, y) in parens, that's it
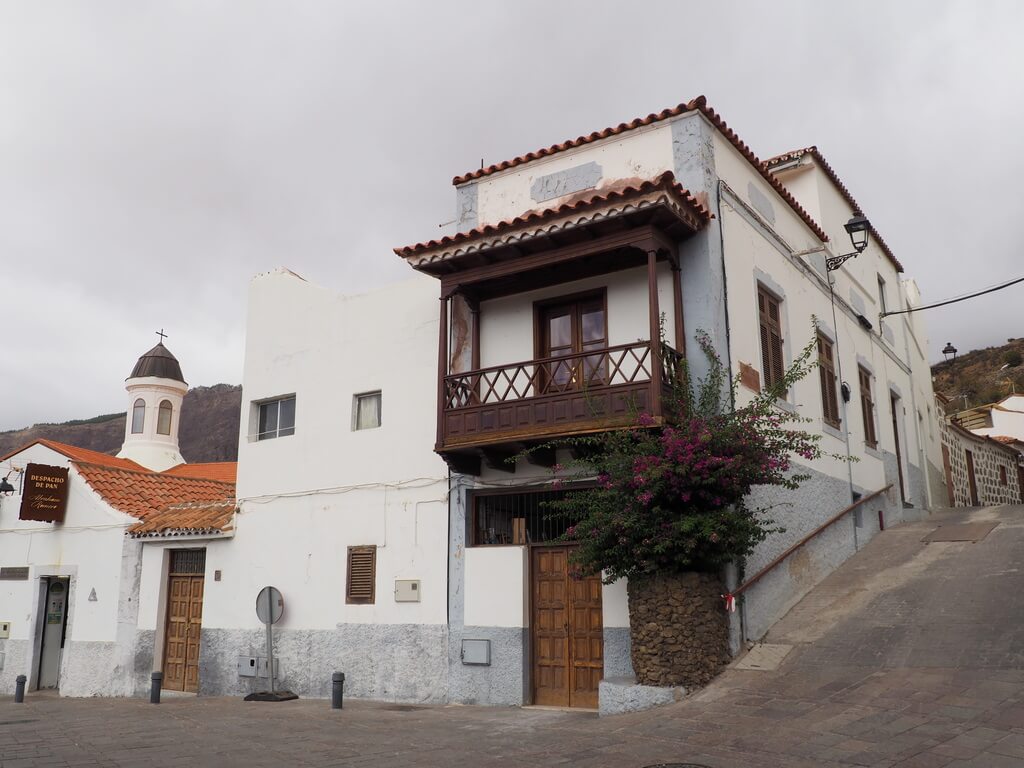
(586, 391)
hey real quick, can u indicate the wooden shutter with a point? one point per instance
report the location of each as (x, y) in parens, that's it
(867, 408)
(770, 316)
(827, 373)
(362, 574)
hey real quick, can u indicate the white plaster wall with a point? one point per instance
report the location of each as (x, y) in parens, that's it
(87, 546)
(615, 604)
(497, 587)
(324, 348)
(506, 324)
(735, 171)
(1007, 419)
(640, 154)
(305, 498)
(750, 257)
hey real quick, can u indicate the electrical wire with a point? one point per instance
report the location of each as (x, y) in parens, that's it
(955, 299)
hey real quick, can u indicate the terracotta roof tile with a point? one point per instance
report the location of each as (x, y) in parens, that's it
(141, 493)
(225, 471)
(579, 204)
(833, 176)
(80, 454)
(188, 518)
(696, 105)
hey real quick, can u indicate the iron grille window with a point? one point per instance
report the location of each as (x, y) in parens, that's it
(867, 407)
(769, 310)
(516, 518)
(188, 561)
(827, 373)
(362, 574)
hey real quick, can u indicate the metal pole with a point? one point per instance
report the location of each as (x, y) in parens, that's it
(270, 638)
(19, 689)
(337, 690)
(154, 689)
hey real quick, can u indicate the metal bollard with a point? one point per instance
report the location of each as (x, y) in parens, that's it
(19, 689)
(337, 690)
(154, 690)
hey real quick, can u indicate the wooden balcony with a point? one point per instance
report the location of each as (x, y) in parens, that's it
(493, 413)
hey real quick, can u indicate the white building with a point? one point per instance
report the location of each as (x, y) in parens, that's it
(381, 485)
(551, 292)
(95, 551)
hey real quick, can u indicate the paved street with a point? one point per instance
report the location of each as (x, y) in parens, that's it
(911, 655)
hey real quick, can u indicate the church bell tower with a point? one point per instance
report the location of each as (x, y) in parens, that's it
(156, 390)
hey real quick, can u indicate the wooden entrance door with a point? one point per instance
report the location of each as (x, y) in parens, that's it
(184, 620)
(894, 405)
(567, 631)
(971, 481)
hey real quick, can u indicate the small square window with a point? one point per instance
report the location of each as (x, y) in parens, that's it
(276, 418)
(366, 411)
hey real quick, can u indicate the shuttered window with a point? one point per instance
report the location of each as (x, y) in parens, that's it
(867, 408)
(362, 573)
(827, 373)
(770, 316)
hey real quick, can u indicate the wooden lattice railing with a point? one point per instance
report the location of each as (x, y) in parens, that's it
(609, 366)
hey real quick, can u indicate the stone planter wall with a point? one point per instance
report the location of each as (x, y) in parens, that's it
(679, 629)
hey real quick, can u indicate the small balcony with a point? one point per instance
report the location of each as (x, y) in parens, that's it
(494, 413)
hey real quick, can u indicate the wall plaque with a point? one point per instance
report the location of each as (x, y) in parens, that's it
(44, 493)
(14, 573)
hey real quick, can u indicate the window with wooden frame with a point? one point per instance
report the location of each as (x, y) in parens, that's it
(769, 311)
(867, 407)
(567, 328)
(1002, 475)
(362, 575)
(827, 374)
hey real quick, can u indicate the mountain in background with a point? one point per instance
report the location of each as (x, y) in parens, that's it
(208, 430)
(982, 376)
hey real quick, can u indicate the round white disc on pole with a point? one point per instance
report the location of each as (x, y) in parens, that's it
(269, 605)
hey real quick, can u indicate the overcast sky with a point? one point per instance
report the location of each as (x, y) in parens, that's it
(155, 156)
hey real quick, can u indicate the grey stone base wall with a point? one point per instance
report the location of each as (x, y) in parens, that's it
(387, 662)
(799, 512)
(505, 682)
(617, 661)
(619, 695)
(86, 668)
(17, 658)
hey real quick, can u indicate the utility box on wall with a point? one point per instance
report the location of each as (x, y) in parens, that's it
(247, 666)
(5, 629)
(477, 652)
(407, 590)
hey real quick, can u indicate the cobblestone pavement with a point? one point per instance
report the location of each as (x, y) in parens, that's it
(910, 655)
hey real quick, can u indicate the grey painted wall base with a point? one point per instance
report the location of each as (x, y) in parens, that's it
(505, 682)
(386, 662)
(86, 668)
(619, 695)
(818, 498)
(617, 659)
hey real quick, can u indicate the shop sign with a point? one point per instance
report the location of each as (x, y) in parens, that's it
(44, 495)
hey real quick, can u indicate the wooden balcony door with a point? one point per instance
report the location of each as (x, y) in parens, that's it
(570, 327)
(567, 631)
(185, 584)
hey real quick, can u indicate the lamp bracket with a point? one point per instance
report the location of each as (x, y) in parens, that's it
(832, 263)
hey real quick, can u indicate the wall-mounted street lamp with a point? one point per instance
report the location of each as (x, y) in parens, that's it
(859, 230)
(5, 487)
(949, 352)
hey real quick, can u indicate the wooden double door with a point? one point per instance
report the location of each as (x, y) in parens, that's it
(567, 632)
(185, 584)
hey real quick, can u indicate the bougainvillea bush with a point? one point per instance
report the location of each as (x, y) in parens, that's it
(673, 498)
